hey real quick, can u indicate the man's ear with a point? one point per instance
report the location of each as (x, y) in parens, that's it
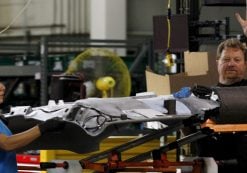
(217, 62)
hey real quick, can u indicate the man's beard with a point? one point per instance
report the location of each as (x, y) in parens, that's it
(231, 74)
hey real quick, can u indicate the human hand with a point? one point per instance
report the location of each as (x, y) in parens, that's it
(242, 22)
(51, 125)
(2, 92)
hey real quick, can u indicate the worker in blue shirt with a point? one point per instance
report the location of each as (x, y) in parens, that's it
(10, 142)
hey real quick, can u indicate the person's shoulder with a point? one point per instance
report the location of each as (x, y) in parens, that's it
(243, 82)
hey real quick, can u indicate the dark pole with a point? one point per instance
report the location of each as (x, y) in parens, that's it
(43, 71)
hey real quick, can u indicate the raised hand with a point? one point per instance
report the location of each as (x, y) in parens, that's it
(2, 92)
(242, 22)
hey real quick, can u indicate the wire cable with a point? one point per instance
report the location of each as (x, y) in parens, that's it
(169, 61)
(169, 25)
(16, 17)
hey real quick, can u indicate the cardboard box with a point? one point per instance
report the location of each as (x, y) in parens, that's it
(167, 84)
(200, 70)
(196, 63)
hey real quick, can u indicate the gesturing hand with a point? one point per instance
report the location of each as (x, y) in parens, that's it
(242, 22)
(2, 92)
(51, 125)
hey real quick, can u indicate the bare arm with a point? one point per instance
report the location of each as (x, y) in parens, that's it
(19, 140)
(2, 92)
(242, 22)
(22, 139)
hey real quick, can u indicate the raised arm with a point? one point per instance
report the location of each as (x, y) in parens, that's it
(2, 92)
(242, 22)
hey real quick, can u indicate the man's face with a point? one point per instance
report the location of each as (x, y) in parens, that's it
(231, 66)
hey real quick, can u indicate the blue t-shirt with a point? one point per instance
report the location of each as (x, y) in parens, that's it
(8, 162)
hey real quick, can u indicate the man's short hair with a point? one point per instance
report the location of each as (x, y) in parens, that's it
(231, 43)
